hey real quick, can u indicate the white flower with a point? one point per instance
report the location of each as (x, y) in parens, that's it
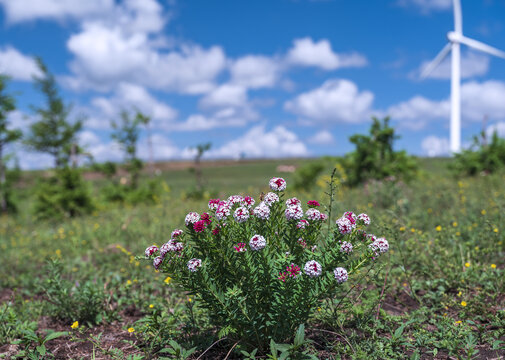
(223, 210)
(381, 244)
(262, 211)
(248, 201)
(171, 246)
(302, 224)
(364, 219)
(293, 202)
(312, 268)
(157, 262)
(241, 214)
(313, 214)
(277, 184)
(194, 264)
(294, 212)
(213, 204)
(176, 233)
(270, 198)
(344, 225)
(192, 218)
(340, 274)
(257, 242)
(235, 199)
(346, 247)
(151, 250)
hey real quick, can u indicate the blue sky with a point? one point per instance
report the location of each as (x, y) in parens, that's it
(263, 78)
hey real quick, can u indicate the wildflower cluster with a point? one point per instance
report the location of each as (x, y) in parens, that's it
(261, 268)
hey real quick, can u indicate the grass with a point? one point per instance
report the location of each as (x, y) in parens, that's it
(440, 293)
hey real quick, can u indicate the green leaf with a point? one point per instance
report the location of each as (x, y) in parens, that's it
(55, 335)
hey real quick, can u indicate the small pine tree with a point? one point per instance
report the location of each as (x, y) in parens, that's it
(375, 158)
(7, 136)
(127, 133)
(53, 134)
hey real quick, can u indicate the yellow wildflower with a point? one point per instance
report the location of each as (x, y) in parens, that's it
(130, 330)
(438, 228)
(402, 228)
(454, 224)
(463, 303)
(483, 212)
(467, 264)
(128, 282)
(75, 325)
(493, 266)
(151, 306)
(167, 280)
(495, 230)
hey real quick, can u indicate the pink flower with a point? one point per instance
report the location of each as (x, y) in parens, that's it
(277, 184)
(293, 271)
(324, 217)
(313, 203)
(351, 216)
(302, 242)
(216, 230)
(206, 218)
(282, 276)
(223, 210)
(240, 247)
(151, 250)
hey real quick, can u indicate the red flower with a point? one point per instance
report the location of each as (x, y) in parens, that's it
(313, 203)
(206, 218)
(199, 226)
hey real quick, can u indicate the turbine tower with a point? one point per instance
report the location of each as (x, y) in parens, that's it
(456, 38)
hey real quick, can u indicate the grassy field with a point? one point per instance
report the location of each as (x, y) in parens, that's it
(438, 294)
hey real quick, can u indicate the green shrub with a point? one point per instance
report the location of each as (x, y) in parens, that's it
(265, 289)
(481, 157)
(71, 301)
(374, 157)
(62, 195)
(307, 174)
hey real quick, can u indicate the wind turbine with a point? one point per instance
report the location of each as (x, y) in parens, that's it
(456, 38)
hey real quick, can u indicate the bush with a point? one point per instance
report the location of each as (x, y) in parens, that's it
(481, 157)
(261, 271)
(374, 157)
(62, 195)
(71, 302)
(307, 174)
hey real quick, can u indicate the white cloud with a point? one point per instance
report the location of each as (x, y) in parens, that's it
(17, 65)
(163, 148)
(498, 127)
(130, 97)
(477, 100)
(225, 95)
(336, 100)
(255, 71)
(257, 142)
(23, 10)
(427, 6)
(417, 111)
(105, 56)
(306, 52)
(472, 64)
(323, 137)
(435, 146)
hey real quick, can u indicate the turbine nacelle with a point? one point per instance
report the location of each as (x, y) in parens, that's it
(454, 37)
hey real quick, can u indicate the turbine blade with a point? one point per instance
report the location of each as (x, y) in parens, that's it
(482, 47)
(458, 18)
(437, 60)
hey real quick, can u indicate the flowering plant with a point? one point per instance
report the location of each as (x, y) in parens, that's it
(261, 269)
